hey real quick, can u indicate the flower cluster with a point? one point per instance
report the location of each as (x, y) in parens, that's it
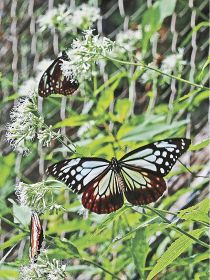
(38, 196)
(173, 62)
(83, 55)
(67, 19)
(169, 65)
(26, 124)
(45, 269)
(127, 42)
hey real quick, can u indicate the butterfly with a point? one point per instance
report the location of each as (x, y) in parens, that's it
(53, 80)
(138, 175)
(36, 237)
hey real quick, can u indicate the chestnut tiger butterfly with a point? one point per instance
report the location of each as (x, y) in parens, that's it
(53, 80)
(36, 237)
(138, 175)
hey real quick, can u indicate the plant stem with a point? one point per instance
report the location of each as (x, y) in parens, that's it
(101, 267)
(177, 228)
(141, 64)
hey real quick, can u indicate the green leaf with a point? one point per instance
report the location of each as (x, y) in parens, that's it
(201, 145)
(106, 99)
(140, 249)
(166, 8)
(146, 132)
(198, 212)
(66, 246)
(21, 213)
(204, 66)
(13, 240)
(174, 251)
(122, 109)
(153, 19)
(73, 121)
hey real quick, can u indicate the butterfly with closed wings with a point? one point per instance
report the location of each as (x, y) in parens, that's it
(53, 80)
(138, 175)
(36, 237)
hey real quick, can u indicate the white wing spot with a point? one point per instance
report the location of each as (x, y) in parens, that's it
(159, 160)
(73, 172)
(79, 168)
(66, 170)
(177, 151)
(167, 163)
(78, 177)
(164, 154)
(162, 170)
(157, 153)
(151, 158)
(171, 156)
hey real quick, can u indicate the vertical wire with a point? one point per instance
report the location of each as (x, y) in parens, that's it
(173, 81)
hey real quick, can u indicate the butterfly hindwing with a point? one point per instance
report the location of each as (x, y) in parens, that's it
(103, 195)
(142, 187)
(36, 237)
(53, 80)
(157, 158)
(77, 173)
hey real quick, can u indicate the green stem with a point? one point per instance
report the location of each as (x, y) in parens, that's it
(101, 267)
(141, 64)
(177, 228)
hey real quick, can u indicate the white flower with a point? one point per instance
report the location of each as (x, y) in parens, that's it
(28, 88)
(84, 54)
(66, 19)
(53, 17)
(84, 16)
(149, 75)
(22, 126)
(173, 61)
(129, 40)
(46, 135)
(21, 193)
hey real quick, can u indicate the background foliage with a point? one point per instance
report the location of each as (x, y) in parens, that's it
(122, 106)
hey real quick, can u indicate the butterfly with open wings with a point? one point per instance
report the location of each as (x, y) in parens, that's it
(138, 175)
(53, 80)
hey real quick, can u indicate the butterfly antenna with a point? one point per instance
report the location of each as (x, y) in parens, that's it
(193, 173)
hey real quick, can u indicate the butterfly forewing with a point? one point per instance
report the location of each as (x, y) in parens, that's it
(157, 158)
(77, 173)
(53, 80)
(36, 236)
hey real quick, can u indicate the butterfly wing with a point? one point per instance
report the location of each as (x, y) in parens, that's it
(36, 237)
(142, 187)
(77, 173)
(103, 195)
(144, 168)
(94, 178)
(53, 80)
(157, 158)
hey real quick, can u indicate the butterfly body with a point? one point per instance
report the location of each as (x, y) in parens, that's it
(53, 80)
(137, 176)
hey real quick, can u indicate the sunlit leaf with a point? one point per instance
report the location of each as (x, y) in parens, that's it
(174, 251)
(198, 212)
